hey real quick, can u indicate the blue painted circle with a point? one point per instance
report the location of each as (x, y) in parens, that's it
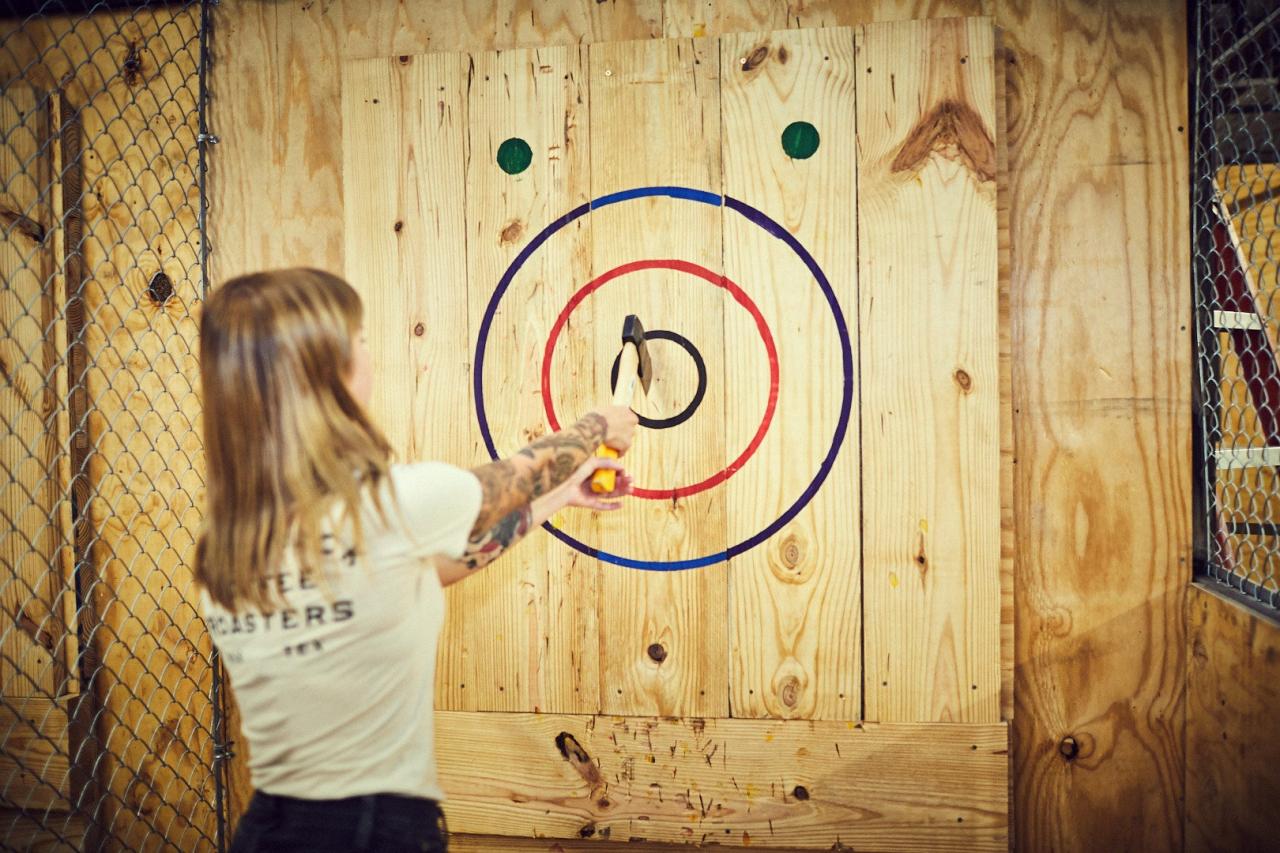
(846, 360)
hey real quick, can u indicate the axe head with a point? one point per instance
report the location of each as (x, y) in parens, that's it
(633, 333)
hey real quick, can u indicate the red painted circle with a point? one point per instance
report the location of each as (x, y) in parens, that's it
(706, 275)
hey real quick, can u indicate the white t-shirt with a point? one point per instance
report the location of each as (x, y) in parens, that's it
(335, 690)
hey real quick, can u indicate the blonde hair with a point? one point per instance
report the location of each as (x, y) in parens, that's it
(284, 440)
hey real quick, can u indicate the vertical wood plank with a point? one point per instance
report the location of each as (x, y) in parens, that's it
(795, 599)
(528, 621)
(406, 245)
(1100, 306)
(141, 296)
(32, 627)
(655, 121)
(929, 355)
(403, 178)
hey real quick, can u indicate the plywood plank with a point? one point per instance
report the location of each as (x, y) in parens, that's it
(33, 541)
(141, 296)
(407, 256)
(528, 622)
(795, 599)
(798, 784)
(928, 265)
(34, 771)
(52, 832)
(1233, 765)
(1098, 194)
(406, 245)
(663, 634)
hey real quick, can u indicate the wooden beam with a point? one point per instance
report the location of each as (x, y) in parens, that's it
(797, 784)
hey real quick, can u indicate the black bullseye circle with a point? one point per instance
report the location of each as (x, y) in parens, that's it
(686, 413)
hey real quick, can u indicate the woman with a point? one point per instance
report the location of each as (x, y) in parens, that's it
(322, 563)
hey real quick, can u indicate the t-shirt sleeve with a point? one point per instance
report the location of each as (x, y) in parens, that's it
(439, 504)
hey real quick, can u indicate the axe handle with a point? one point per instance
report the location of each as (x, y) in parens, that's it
(604, 481)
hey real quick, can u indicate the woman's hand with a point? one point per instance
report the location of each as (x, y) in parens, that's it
(578, 486)
(620, 427)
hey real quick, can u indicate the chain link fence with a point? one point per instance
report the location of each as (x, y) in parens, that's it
(107, 675)
(1235, 66)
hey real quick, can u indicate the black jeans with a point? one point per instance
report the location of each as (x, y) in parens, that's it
(376, 823)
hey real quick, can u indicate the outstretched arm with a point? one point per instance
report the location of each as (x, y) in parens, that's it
(509, 485)
(486, 547)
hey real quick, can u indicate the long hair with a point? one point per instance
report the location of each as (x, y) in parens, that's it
(285, 442)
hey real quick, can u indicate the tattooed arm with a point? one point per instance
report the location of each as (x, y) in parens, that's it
(510, 484)
(493, 543)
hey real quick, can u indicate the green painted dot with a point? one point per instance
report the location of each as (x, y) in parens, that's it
(514, 156)
(800, 140)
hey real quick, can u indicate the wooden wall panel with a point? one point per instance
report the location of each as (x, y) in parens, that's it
(930, 406)
(35, 631)
(528, 623)
(1109, 77)
(1233, 693)
(134, 138)
(1100, 306)
(798, 784)
(795, 600)
(670, 89)
(406, 253)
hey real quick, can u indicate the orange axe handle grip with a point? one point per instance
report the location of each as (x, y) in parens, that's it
(605, 480)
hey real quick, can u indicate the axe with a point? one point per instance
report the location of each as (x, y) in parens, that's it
(633, 364)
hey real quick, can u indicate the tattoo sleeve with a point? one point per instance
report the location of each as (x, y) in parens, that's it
(486, 547)
(510, 485)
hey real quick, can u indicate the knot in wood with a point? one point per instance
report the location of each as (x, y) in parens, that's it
(790, 692)
(963, 379)
(419, 330)
(1069, 747)
(657, 653)
(756, 57)
(801, 793)
(160, 288)
(791, 552)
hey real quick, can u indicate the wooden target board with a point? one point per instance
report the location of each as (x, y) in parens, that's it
(805, 222)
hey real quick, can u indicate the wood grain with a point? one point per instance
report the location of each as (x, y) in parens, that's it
(1098, 193)
(928, 264)
(139, 222)
(34, 767)
(1008, 450)
(528, 622)
(54, 832)
(795, 600)
(671, 89)
(406, 253)
(1233, 692)
(33, 543)
(798, 784)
